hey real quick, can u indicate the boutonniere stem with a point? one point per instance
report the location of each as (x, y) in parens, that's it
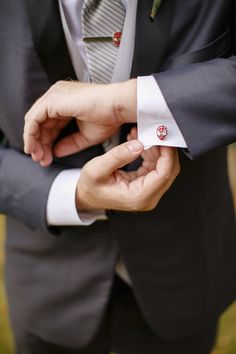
(155, 7)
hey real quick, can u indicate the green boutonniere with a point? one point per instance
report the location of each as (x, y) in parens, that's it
(155, 7)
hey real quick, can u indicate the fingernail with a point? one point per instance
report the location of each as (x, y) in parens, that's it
(135, 146)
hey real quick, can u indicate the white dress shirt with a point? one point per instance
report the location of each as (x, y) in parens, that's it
(151, 107)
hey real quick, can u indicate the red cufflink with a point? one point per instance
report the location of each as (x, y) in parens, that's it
(162, 132)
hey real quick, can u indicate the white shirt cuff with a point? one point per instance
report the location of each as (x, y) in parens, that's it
(61, 206)
(153, 112)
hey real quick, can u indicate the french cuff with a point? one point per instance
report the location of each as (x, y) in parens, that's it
(61, 206)
(156, 125)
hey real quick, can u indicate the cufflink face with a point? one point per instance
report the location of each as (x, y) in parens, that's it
(162, 132)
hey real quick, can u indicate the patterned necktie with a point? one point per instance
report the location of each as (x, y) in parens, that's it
(100, 20)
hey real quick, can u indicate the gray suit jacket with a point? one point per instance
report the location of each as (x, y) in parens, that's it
(180, 256)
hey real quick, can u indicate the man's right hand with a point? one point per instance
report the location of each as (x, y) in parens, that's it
(103, 186)
(99, 111)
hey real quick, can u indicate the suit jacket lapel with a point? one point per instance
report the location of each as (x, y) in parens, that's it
(151, 38)
(49, 39)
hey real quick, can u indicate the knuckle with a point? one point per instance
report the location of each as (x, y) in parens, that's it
(27, 117)
(50, 110)
(55, 88)
(51, 89)
(59, 84)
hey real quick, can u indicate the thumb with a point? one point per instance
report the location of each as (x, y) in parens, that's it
(103, 166)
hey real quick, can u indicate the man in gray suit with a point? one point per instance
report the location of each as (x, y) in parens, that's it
(179, 256)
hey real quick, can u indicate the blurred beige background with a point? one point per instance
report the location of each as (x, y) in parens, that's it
(227, 333)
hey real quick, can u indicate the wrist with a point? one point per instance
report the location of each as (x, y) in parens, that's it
(80, 199)
(124, 103)
(84, 196)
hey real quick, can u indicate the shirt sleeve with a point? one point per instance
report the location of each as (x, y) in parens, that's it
(156, 124)
(61, 206)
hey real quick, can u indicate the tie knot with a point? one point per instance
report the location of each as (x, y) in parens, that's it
(112, 8)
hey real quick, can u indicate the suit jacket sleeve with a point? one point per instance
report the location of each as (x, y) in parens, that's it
(24, 187)
(202, 99)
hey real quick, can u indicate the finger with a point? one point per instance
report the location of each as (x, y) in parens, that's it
(164, 173)
(47, 157)
(132, 175)
(49, 135)
(44, 155)
(38, 112)
(38, 152)
(39, 115)
(30, 139)
(132, 134)
(129, 137)
(46, 136)
(103, 166)
(71, 144)
(166, 162)
(151, 154)
(36, 115)
(149, 164)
